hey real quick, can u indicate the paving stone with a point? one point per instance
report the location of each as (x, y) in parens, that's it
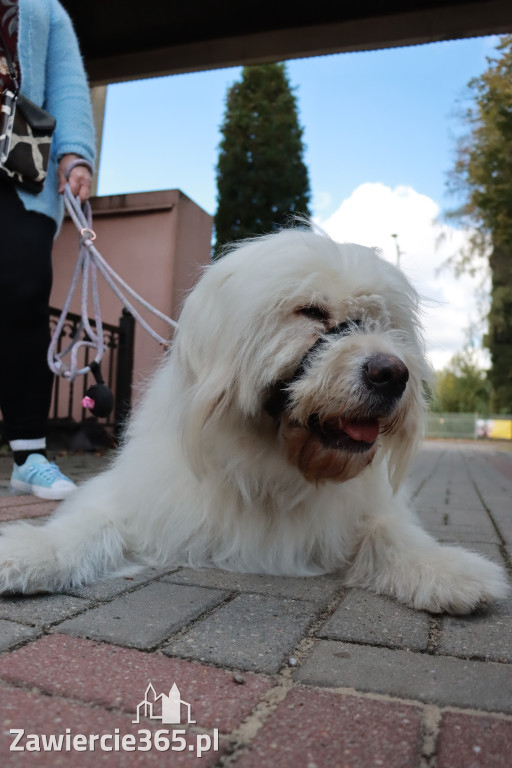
(109, 588)
(315, 589)
(12, 633)
(503, 462)
(449, 505)
(486, 634)
(24, 500)
(423, 465)
(471, 520)
(43, 716)
(116, 678)
(42, 610)
(503, 519)
(434, 491)
(365, 617)
(467, 741)
(144, 618)
(253, 632)
(63, 680)
(328, 730)
(495, 489)
(25, 508)
(434, 679)
(452, 505)
(457, 525)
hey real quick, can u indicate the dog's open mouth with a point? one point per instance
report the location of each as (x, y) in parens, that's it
(339, 433)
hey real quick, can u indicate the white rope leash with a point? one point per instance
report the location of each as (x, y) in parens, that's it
(90, 262)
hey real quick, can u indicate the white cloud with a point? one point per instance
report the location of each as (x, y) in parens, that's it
(372, 215)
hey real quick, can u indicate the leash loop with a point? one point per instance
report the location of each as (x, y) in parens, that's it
(90, 262)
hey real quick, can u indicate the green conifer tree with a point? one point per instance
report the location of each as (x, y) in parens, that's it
(483, 175)
(261, 175)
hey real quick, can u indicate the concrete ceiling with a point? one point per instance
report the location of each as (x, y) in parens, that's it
(129, 39)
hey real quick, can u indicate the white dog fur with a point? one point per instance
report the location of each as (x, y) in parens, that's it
(249, 453)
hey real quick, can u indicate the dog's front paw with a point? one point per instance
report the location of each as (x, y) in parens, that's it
(457, 581)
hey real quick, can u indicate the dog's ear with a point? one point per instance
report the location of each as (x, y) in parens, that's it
(204, 403)
(401, 444)
(204, 355)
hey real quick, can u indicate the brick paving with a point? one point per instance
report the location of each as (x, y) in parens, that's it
(285, 673)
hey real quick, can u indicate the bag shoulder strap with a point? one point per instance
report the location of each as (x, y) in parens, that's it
(12, 69)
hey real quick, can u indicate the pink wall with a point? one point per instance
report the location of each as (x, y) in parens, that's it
(157, 242)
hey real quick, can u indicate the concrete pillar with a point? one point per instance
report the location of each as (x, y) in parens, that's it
(98, 99)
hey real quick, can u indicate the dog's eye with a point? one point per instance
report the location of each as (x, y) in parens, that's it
(313, 312)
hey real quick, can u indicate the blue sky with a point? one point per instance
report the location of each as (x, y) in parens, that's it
(381, 124)
(385, 116)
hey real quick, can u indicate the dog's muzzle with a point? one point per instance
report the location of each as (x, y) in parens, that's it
(384, 377)
(279, 399)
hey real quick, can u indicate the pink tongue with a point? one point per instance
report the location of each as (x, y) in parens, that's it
(366, 433)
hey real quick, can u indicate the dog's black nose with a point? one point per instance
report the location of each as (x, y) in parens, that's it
(386, 374)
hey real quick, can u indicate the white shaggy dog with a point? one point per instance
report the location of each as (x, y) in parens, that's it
(274, 439)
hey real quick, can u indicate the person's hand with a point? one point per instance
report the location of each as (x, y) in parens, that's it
(79, 179)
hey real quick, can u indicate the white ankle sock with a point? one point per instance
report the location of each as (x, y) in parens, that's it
(39, 444)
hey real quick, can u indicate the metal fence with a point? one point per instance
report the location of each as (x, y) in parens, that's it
(462, 425)
(117, 370)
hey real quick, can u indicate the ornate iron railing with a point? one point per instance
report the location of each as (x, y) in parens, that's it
(116, 368)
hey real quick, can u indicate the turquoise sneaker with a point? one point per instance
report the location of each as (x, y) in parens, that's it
(41, 478)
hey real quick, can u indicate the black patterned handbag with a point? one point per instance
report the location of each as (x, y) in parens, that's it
(25, 136)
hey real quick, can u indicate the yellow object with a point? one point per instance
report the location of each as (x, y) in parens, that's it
(501, 429)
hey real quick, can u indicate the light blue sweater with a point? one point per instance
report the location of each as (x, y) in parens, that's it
(53, 76)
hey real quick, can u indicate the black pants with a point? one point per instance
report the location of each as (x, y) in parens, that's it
(26, 240)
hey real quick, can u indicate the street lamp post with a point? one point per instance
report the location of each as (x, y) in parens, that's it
(398, 251)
